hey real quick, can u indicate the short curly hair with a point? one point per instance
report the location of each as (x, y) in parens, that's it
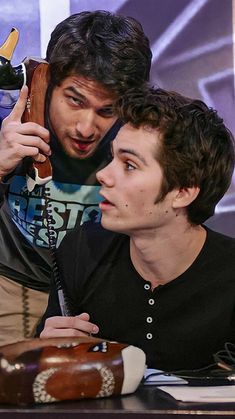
(196, 149)
(102, 46)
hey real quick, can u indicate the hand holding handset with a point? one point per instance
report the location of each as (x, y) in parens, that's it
(34, 73)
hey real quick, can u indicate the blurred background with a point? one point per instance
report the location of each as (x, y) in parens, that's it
(193, 52)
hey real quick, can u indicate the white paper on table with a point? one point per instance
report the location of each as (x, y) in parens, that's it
(209, 394)
(156, 377)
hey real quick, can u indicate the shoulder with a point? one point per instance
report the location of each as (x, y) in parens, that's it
(219, 240)
(89, 239)
(220, 248)
(89, 231)
(86, 248)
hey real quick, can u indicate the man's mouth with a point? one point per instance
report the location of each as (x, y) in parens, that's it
(105, 204)
(83, 145)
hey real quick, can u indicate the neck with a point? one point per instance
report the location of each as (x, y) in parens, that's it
(162, 258)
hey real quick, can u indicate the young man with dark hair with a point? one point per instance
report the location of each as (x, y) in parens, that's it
(94, 57)
(159, 279)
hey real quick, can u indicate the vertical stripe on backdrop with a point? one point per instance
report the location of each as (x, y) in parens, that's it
(51, 13)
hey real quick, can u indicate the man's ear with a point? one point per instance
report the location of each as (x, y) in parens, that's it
(185, 196)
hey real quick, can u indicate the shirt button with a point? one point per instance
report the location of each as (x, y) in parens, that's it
(149, 336)
(146, 286)
(149, 319)
(151, 301)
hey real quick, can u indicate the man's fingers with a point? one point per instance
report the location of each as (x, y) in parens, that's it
(77, 324)
(55, 333)
(40, 158)
(18, 110)
(83, 316)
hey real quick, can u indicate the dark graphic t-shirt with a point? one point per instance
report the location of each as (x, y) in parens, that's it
(73, 197)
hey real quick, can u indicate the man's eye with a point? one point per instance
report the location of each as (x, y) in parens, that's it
(129, 166)
(75, 100)
(106, 112)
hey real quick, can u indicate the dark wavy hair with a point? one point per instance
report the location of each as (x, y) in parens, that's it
(101, 46)
(196, 147)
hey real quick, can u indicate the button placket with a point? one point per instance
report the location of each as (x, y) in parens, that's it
(149, 336)
(151, 301)
(149, 318)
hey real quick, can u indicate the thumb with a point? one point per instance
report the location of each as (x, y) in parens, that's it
(18, 110)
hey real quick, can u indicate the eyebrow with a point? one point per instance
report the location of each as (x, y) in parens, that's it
(76, 92)
(130, 151)
(86, 101)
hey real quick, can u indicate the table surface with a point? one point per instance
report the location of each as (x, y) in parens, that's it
(146, 402)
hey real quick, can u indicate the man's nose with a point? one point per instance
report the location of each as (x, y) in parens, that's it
(85, 127)
(103, 176)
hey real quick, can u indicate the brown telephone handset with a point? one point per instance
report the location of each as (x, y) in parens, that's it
(34, 73)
